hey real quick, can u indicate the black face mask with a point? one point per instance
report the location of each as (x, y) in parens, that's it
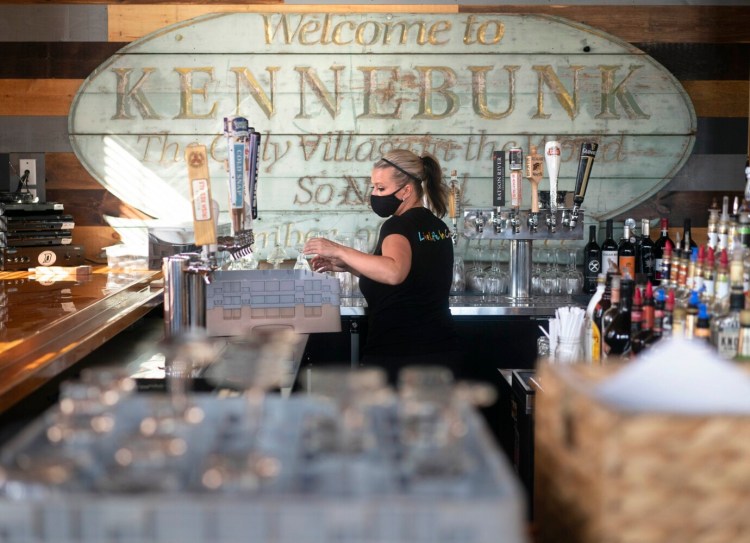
(385, 206)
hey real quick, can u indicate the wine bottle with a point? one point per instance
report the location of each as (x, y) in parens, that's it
(618, 338)
(626, 254)
(645, 254)
(592, 262)
(659, 245)
(609, 248)
(643, 338)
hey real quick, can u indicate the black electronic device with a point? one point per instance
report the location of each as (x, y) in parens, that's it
(23, 258)
(36, 234)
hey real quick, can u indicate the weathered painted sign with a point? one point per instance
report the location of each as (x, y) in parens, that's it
(331, 93)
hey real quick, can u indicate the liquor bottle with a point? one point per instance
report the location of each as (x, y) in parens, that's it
(636, 311)
(707, 295)
(626, 254)
(713, 225)
(674, 266)
(668, 319)
(614, 305)
(721, 283)
(697, 283)
(687, 238)
(609, 248)
(617, 337)
(592, 262)
(666, 266)
(723, 226)
(593, 338)
(659, 245)
(602, 306)
(644, 337)
(743, 343)
(691, 315)
(678, 321)
(703, 324)
(725, 329)
(645, 254)
(732, 231)
(660, 302)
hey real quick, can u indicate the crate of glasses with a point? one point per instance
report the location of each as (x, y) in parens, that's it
(354, 461)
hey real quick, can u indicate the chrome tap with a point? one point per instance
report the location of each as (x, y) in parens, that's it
(481, 222)
(515, 221)
(572, 220)
(500, 221)
(533, 221)
(552, 221)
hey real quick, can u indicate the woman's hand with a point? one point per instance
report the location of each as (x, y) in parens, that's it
(326, 255)
(321, 264)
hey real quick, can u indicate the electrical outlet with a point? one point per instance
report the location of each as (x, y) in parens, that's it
(30, 165)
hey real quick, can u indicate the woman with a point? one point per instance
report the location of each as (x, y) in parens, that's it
(406, 281)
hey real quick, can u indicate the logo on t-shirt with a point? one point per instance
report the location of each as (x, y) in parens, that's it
(439, 235)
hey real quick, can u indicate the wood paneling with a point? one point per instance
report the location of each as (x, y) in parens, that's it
(665, 24)
(718, 98)
(65, 60)
(65, 172)
(35, 97)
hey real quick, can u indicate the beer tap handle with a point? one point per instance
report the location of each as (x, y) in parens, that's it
(515, 157)
(585, 163)
(534, 173)
(552, 158)
(204, 223)
(453, 205)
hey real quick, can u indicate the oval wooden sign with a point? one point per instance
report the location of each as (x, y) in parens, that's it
(330, 93)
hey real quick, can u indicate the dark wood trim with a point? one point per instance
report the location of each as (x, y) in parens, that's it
(637, 24)
(55, 60)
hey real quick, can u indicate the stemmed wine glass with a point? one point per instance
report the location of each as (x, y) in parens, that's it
(548, 275)
(475, 275)
(277, 257)
(496, 279)
(301, 262)
(573, 277)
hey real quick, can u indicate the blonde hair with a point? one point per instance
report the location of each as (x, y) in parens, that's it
(424, 173)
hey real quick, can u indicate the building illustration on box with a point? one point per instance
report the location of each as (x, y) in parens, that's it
(240, 300)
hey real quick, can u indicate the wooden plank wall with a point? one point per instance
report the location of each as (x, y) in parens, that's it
(48, 49)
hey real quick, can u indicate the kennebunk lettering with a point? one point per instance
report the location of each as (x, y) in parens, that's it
(380, 87)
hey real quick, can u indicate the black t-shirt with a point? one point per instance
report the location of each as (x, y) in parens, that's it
(413, 317)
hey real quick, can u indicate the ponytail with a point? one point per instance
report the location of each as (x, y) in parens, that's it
(436, 191)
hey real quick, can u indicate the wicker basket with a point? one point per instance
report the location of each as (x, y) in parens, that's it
(605, 476)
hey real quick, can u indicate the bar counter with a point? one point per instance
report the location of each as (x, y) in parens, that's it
(48, 325)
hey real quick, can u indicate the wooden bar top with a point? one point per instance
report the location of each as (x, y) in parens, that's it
(49, 323)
